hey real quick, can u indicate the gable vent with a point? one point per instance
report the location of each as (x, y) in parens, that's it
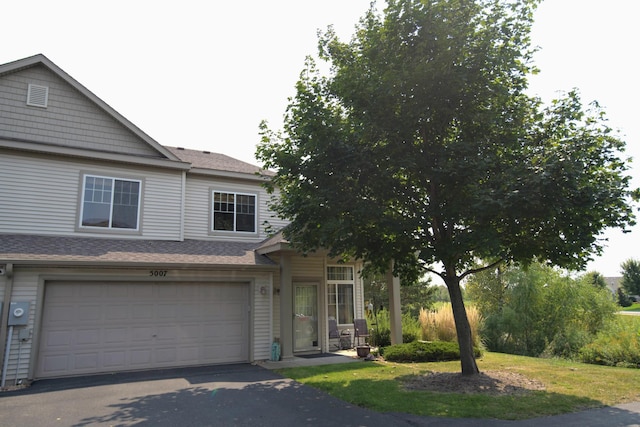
(38, 96)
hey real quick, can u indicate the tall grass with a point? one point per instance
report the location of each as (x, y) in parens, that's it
(380, 328)
(439, 325)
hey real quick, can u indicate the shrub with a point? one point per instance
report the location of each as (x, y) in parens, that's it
(617, 345)
(380, 329)
(380, 337)
(623, 299)
(421, 351)
(539, 310)
(567, 343)
(410, 328)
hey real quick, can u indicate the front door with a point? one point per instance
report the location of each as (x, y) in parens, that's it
(305, 312)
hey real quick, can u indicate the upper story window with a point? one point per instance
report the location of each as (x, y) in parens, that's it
(110, 203)
(234, 212)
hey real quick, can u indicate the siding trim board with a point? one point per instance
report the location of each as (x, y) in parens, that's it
(49, 149)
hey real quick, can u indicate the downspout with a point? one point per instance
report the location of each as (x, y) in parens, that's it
(183, 191)
(4, 319)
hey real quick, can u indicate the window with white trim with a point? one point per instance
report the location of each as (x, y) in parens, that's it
(234, 212)
(340, 286)
(111, 203)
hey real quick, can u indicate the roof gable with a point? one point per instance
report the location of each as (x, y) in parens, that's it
(74, 118)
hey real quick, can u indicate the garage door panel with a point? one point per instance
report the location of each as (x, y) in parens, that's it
(88, 336)
(167, 311)
(141, 358)
(62, 313)
(89, 313)
(116, 336)
(54, 365)
(105, 327)
(144, 290)
(189, 333)
(63, 292)
(86, 361)
(189, 353)
(142, 334)
(117, 290)
(116, 312)
(142, 312)
(114, 359)
(167, 332)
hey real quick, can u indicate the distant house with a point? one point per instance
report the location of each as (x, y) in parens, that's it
(613, 284)
(118, 253)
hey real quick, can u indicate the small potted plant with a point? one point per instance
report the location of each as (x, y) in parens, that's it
(363, 350)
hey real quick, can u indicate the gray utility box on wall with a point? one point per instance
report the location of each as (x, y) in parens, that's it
(18, 314)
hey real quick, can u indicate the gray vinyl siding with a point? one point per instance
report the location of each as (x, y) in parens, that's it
(3, 286)
(262, 318)
(197, 219)
(44, 196)
(308, 268)
(70, 119)
(25, 289)
(267, 214)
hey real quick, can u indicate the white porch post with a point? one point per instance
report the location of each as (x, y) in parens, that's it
(395, 311)
(286, 307)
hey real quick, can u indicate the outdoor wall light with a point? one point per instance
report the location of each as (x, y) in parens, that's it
(263, 290)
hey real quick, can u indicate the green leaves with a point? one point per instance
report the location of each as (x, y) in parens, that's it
(421, 147)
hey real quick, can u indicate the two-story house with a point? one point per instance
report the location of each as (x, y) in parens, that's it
(118, 253)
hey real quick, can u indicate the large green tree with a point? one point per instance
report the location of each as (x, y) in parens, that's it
(420, 148)
(539, 309)
(631, 277)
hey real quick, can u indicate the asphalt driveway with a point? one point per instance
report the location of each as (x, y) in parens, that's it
(231, 395)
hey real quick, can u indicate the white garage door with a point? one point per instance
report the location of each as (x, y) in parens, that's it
(114, 326)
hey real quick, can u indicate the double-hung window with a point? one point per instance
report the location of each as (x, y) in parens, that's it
(234, 212)
(340, 284)
(110, 203)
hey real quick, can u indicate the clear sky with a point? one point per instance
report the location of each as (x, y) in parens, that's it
(203, 74)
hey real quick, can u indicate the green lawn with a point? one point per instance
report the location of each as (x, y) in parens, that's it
(569, 387)
(633, 307)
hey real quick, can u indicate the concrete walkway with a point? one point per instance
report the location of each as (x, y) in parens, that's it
(341, 356)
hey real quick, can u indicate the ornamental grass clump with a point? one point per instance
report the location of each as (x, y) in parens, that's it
(439, 325)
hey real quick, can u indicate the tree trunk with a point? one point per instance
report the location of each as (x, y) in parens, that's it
(463, 329)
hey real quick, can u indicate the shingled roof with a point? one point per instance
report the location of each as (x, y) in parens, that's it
(87, 250)
(216, 161)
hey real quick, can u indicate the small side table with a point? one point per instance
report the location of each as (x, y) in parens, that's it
(345, 340)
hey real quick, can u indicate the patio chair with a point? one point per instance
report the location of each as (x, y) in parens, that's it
(360, 330)
(334, 333)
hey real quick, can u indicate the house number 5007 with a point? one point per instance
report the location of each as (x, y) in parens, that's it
(158, 273)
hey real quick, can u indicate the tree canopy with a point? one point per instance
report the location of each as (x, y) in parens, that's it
(539, 309)
(631, 277)
(421, 149)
